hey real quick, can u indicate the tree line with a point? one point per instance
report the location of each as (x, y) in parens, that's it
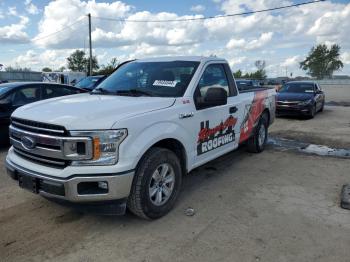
(321, 62)
(78, 61)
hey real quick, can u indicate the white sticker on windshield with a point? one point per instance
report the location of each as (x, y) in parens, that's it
(165, 83)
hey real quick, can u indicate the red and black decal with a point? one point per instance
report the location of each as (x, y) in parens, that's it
(212, 138)
(254, 112)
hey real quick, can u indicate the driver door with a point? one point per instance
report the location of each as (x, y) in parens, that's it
(215, 129)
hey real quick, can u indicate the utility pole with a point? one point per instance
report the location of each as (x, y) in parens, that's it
(90, 46)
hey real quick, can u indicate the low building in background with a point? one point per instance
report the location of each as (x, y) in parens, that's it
(68, 78)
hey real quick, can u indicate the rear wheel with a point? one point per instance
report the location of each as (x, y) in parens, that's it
(156, 184)
(257, 142)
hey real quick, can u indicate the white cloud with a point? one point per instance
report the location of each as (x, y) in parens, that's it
(264, 39)
(49, 58)
(291, 61)
(14, 33)
(58, 14)
(145, 50)
(236, 43)
(114, 34)
(273, 36)
(289, 25)
(12, 11)
(249, 45)
(237, 6)
(102, 57)
(237, 60)
(31, 8)
(333, 26)
(197, 8)
(345, 57)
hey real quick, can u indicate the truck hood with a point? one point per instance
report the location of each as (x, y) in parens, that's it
(86, 112)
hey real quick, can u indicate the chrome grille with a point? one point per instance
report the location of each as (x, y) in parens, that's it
(288, 103)
(43, 160)
(35, 142)
(34, 126)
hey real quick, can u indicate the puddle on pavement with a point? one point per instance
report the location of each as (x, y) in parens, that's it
(303, 147)
(333, 103)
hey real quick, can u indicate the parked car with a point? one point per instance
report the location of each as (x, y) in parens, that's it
(14, 95)
(90, 82)
(247, 85)
(300, 98)
(129, 141)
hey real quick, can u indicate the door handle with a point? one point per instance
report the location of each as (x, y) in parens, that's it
(233, 109)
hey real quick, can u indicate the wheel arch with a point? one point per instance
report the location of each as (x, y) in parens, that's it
(266, 112)
(175, 146)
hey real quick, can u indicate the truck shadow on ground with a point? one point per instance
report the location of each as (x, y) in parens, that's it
(35, 210)
(197, 179)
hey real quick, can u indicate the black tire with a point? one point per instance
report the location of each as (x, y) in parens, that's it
(139, 201)
(253, 144)
(322, 107)
(313, 111)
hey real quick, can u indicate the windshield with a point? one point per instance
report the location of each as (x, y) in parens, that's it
(297, 88)
(160, 79)
(88, 82)
(4, 88)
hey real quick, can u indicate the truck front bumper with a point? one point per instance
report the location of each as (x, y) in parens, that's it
(87, 190)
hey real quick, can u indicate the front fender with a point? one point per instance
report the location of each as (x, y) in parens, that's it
(138, 143)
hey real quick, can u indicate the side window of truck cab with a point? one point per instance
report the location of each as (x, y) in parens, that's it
(213, 79)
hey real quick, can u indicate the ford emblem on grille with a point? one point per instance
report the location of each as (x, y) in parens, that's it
(28, 142)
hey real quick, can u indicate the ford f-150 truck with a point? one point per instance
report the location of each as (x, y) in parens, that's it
(129, 142)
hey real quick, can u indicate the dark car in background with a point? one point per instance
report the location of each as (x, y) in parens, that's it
(90, 82)
(14, 95)
(247, 84)
(300, 98)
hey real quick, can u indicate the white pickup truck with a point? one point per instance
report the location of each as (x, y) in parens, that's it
(129, 142)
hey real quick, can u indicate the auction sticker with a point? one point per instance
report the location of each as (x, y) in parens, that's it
(165, 83)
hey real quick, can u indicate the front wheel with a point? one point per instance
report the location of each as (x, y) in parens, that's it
(321, 110)
(313, 111)
(156, 184)
(257, 142)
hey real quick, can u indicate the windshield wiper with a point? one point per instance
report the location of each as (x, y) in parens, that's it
(133, 92)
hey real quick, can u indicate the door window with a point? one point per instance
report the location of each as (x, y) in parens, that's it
(56, 91)
(26, 95)
(214, 76)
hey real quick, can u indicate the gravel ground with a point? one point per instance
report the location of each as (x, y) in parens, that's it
(279, 205)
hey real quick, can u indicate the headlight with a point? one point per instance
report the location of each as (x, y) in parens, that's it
(304, 103)
(105, 146)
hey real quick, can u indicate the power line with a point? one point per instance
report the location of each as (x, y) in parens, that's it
(209, 17)
(59, 31)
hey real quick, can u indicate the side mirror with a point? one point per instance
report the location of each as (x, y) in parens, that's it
(215, 96)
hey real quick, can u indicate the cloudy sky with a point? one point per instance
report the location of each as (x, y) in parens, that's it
(282, 38)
